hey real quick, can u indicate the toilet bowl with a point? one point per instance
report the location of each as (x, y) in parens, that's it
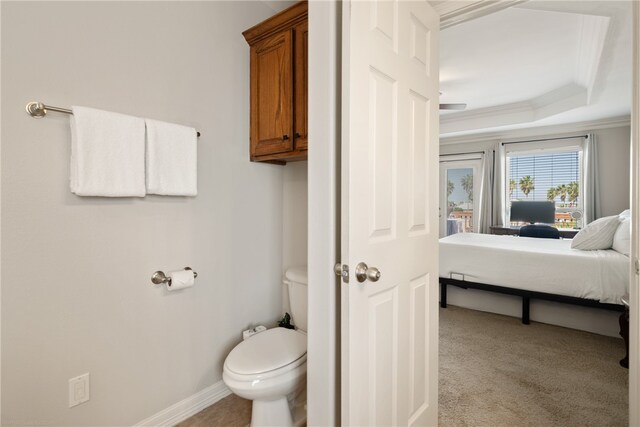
(270, 367)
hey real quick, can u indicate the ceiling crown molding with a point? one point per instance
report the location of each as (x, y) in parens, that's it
(454, 12)
(538, 131)
(593, 33)
(562, 99)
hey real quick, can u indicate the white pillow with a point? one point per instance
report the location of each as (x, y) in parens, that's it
(625, 214)
(597, 235)
(622, 237)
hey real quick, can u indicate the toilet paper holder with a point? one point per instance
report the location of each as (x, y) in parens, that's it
(159, 277)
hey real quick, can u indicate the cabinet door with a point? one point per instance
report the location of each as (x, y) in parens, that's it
(272, 96)
(301, 33)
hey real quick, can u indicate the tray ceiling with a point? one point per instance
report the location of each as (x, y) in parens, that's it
(538, 63)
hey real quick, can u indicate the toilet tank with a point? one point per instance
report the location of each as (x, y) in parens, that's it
(296, 281)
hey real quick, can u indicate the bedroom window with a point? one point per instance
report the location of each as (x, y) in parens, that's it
(548, 174)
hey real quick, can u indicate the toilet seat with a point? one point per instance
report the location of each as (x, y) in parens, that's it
(300, 365)
(279, 350)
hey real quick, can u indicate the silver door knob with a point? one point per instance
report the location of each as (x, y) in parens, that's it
(363, 272)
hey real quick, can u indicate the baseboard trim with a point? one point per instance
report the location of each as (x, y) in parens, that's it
(588, 319)
(187, 407)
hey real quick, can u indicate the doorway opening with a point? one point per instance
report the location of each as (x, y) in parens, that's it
(554, 137)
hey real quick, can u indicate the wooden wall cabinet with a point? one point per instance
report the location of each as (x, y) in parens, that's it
(279, 86)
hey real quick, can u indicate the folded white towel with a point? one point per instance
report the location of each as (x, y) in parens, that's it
(172, 154)
(107, 154)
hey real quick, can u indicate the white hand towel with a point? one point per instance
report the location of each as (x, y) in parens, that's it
(172, 154)
(107, 154)
(180, 279)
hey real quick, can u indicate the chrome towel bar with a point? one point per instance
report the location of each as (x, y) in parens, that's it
(38, 110)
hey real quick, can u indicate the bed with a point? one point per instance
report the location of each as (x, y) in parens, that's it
(533, 269)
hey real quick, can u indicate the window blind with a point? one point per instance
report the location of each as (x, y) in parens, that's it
(546, 170)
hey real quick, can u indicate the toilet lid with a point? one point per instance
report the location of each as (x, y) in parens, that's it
(267, 351)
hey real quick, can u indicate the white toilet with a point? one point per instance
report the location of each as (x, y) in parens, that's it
(270, 368)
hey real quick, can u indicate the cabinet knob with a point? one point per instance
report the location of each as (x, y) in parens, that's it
(285, 137)
(297, 135)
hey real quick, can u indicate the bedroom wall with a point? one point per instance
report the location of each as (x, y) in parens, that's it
(76, 290)
(614, 144)
(614, 154)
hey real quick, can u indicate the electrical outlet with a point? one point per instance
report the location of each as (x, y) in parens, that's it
(79, 390)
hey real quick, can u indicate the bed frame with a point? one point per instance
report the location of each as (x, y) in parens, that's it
(527, 296)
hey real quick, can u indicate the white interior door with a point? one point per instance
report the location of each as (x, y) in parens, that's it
(389, 213)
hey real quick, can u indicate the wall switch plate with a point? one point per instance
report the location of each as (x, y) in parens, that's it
(79, 390)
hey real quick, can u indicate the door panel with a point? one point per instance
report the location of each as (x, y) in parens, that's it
(419, 349)
(384, 20)
(272, 107)
(383, 368)
(389, 216)
(382, 136)
(419, 131)
(420, 44)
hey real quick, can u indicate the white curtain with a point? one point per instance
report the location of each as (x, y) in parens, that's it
(499, 188)
(591, 194)
(485, 214)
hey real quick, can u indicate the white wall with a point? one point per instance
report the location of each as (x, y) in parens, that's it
(76, 294)
(294, 215)
(613, 156)
(294, 221)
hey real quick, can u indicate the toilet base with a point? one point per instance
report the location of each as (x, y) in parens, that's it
(298, 404)
(271, 413)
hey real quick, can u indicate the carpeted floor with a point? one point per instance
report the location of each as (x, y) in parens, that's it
(496, 372)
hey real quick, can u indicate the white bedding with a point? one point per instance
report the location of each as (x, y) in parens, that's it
(543, 265)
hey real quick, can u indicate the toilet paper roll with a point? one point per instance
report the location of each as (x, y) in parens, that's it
(180, 279)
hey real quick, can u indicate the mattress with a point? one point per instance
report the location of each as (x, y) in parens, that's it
(542, 265)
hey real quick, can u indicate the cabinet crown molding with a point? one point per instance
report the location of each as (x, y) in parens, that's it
(280, 22)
